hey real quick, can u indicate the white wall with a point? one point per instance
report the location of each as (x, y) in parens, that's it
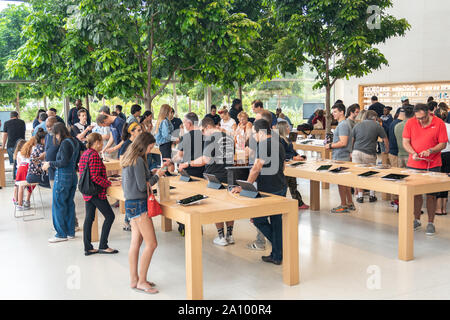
(423, 54)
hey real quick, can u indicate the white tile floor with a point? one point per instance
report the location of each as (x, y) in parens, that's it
(335, 254)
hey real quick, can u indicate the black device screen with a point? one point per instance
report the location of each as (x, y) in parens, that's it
(368, 174)
(394, 176)
(197, 197)
(339, 169)
(323, 168)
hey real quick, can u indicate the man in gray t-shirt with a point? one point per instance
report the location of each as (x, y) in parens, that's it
(342, 130)
(341, 147)
(365, 135)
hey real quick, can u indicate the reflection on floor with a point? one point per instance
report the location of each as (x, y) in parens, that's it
(351, 256)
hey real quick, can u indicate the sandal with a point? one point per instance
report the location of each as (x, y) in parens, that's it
(126, 228)
(151, 284)
(148, 290)
(441, 213)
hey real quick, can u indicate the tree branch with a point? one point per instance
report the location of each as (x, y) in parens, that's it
(165, 83)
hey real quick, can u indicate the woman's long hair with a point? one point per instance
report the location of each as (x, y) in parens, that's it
(60, 129)
(283, 129)
(27, 147)
(137, 149)
(163, 114)
(19, 145)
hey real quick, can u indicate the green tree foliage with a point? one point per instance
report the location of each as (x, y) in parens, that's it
(335, 37)
(141, 45)
(55, 53)
(11, 20)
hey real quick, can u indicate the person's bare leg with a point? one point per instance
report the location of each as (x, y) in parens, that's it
(220, 225)
(439, 205)
(133, 253)
(431, 208)
(342, 195)
(418, 202)
(444, 205)
(16, 192)
(28, 195)
(349, 196)
(145, 225)
(20, 196)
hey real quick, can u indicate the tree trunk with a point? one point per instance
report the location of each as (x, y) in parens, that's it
(18, 99)
(87, 102)
(45, 102)
(240, 93)
(328, 110)
(189, 101)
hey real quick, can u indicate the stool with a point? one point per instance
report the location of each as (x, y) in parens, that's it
(24, 216)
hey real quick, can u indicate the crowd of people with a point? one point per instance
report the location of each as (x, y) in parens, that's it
(56, 154)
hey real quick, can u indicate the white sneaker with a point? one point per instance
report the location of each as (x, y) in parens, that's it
(56, 239)
(20, 208)
(220, 241)
(70, 237)
(26, 204)
(230, 239)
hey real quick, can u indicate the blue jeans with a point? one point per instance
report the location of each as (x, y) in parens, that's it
(41, 179)
(63, 206)
(12, 161)
(273, 230)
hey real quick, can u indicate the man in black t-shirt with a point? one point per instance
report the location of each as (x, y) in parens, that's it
(218, 153)
(13, 130)
(213, 115)
(267, 171)
(377, 107)
(191, 145)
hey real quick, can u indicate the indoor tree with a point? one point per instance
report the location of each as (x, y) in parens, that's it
(336, 38)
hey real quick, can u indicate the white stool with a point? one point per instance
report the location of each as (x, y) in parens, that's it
(34, 215)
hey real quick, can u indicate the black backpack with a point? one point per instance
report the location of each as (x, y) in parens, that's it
(86, 185)
(305, 127)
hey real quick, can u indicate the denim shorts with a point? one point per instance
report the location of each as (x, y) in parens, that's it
(135, 208)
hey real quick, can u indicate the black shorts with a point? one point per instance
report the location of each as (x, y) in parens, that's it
(435, 169)
(166, 150)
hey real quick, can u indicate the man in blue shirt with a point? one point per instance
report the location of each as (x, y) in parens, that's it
(42, 118)
(116, 126)
(257, 107)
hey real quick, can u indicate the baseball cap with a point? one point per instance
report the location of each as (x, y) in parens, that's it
(404, 98)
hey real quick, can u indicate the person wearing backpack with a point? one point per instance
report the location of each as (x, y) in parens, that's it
(92, 169)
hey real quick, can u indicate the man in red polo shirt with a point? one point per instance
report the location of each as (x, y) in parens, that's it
(424, 137)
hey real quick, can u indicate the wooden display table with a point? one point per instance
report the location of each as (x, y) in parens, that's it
(316, 145)
(223, 206)
(2, 168)
(415, 184)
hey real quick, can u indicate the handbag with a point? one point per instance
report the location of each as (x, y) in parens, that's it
(86, 185)
(153, 207)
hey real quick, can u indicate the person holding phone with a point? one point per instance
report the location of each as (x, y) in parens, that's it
(341, 148)
(268, 172)
(97, 171)
(218, 153)
(135, 178)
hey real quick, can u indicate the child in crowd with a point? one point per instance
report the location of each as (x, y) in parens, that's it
(23, 161)
(35, 173)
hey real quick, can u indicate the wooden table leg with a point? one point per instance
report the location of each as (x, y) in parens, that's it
(314, 194)
(2, 169)
(166, 224)
(326, 155)
(94, 231)
(194, 268)
(291, 274)
(406, 225)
